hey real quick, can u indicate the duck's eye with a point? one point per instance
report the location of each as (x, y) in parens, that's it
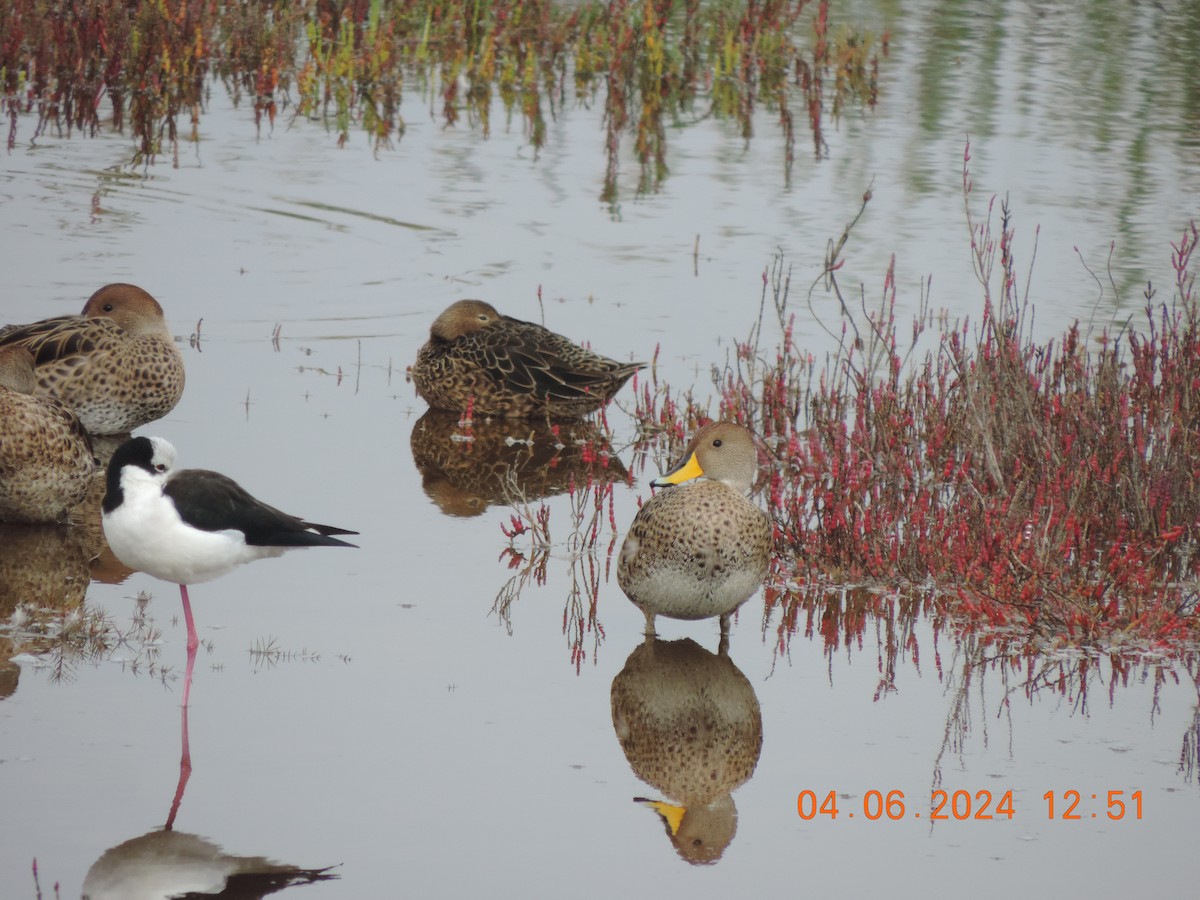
(161, 467)
(108, 307)
(717, 442)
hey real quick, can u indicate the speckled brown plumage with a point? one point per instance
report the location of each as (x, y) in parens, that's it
(699, 548)
(115, 364)
(46, 462)
(690, 726)
(507, 367)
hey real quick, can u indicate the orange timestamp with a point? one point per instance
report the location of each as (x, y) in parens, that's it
(961, 805)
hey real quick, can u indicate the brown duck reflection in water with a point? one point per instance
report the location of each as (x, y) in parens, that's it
(49, 566)
(690, 725)
(105, 567)
(44, 566)
(165, 863)
(465, 468)
(10, 672)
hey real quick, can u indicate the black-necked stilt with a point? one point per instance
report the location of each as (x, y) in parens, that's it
(192, 525)
(115, 364)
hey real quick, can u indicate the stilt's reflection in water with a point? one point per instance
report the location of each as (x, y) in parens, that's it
(691, 727)
(465, 469)
(165, 863)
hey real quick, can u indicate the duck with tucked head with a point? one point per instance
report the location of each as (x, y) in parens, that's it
(700, 548)
(115, 364)
(498, 366)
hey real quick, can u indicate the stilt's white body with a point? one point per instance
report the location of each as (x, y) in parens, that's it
(146, 533)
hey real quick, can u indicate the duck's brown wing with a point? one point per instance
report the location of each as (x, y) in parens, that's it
(536, 360)
(61, 337)
(17, 335)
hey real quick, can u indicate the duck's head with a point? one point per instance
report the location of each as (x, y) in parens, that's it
(129, 306)
(463, 318)
(720, 451)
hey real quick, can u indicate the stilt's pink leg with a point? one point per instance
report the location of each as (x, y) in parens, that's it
(193, 640)
(192, 643)
(185, 766)
(187, 676)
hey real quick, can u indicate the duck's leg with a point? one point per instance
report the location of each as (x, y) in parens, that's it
(725, 620)
(650, 632)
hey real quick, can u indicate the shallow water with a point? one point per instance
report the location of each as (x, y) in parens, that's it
(379, 710)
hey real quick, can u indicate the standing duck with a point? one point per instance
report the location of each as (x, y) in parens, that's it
(700, 548)
(46, 462)
(505, 367)
(115, 364)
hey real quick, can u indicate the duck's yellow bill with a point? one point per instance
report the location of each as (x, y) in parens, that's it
(689, 469)
(672, 814)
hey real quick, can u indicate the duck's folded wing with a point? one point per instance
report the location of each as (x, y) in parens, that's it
(548, 364)
(61, 337)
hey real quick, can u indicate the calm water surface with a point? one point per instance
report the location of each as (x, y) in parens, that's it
(405, 731)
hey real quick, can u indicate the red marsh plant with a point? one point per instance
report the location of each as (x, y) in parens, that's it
(590, 507)
(345, 62)
(1048, 486)
(981, 669)
(1032, 494)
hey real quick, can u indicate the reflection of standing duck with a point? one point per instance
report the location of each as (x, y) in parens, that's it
(46, 461)
(699, 549)
(690, 725)
(116, 364)
(500, 366)
(466, 470)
